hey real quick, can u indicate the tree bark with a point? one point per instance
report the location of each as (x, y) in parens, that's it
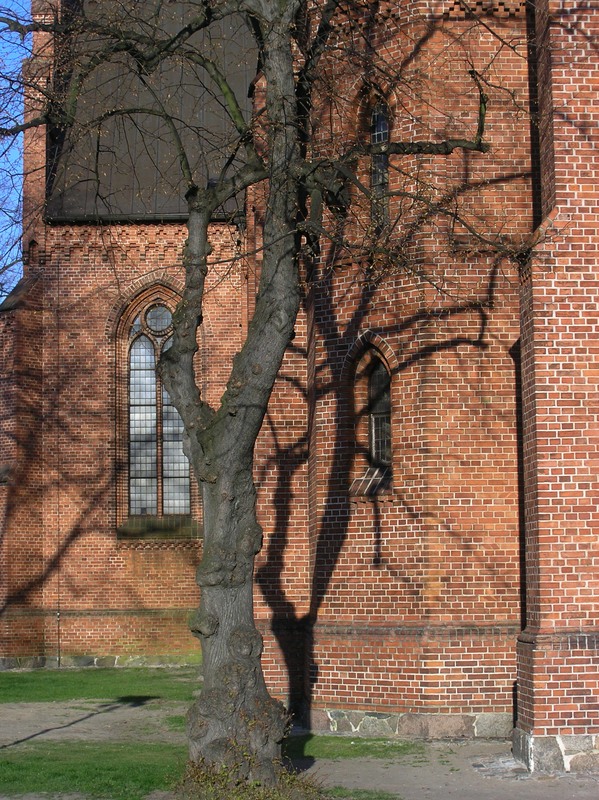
(234, 721)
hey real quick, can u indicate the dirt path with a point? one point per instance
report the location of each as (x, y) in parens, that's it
(90, 720)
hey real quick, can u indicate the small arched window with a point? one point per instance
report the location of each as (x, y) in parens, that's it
(158, 468)
(372, 404)
(379, 165)
(379, 415)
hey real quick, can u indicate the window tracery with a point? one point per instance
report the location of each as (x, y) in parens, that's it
(158, 468)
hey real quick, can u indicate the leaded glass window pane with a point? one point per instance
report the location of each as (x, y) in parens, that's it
(380, 124)
(143, 493)
(158, 468)
(379, 167)
(143, 445)
(158, 319)
(176, 496)
(379, 409)
(136, 327)
(175, 466)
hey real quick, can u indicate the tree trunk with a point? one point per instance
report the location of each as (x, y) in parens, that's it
(234, 722)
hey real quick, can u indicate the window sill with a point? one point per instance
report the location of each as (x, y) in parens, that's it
(169, 528)
(374, 482)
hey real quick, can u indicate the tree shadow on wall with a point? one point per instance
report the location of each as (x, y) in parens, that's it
(331, 515)
(329, 395)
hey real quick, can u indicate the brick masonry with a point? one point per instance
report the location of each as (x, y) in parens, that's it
(558, 720)
(469, 579)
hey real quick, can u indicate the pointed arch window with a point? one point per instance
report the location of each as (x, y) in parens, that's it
(158, 471)
(379, 165)
(372, 407)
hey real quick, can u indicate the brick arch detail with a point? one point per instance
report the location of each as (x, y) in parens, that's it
(136, 294)
(364, 100)
(369, 339)
(139, 289)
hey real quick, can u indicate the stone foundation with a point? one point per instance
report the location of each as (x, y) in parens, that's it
(77, 662)
(411, 725)
(556, 753)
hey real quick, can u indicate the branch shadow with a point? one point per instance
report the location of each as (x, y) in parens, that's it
(127, 701)
(294, 632)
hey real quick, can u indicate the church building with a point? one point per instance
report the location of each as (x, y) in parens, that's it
(427, 471)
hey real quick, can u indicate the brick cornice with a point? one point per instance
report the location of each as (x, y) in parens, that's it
(561, 639)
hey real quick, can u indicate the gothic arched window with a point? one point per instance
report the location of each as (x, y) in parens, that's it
(372, 418)
(158, 469)
(379, 164)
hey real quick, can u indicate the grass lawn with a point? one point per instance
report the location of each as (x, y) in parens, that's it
(115, 771)
(111, 771)
(44, 686)
(130, 771)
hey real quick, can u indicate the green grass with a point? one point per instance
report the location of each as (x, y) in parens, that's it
(131, 771)
(97, 684)
(360, 794)
(176, 722)
(115, 771)
(338, 747)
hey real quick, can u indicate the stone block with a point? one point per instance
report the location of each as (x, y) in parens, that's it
(32, 662)
(577, 744)
(493, 726)
(133, 661)
(355, 719)
(343, 726)
(521, 747)
(376, 726)
(83, 661)
(412, 726)
(106, 661)
(436, 726)
(585, 762)
(547, 755)
(319, 721)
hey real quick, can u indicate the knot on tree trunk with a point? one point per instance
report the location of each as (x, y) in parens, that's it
(237, 726)
(245, 643)
(203, 623)
(250, 541)
(226, 567)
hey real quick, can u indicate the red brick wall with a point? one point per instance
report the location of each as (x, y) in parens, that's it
(63, 553)
(559, 657)
(413, 596)
(408, 600)
(7, 445)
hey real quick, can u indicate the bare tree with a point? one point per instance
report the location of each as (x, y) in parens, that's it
(322, 206)
(12, 50)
